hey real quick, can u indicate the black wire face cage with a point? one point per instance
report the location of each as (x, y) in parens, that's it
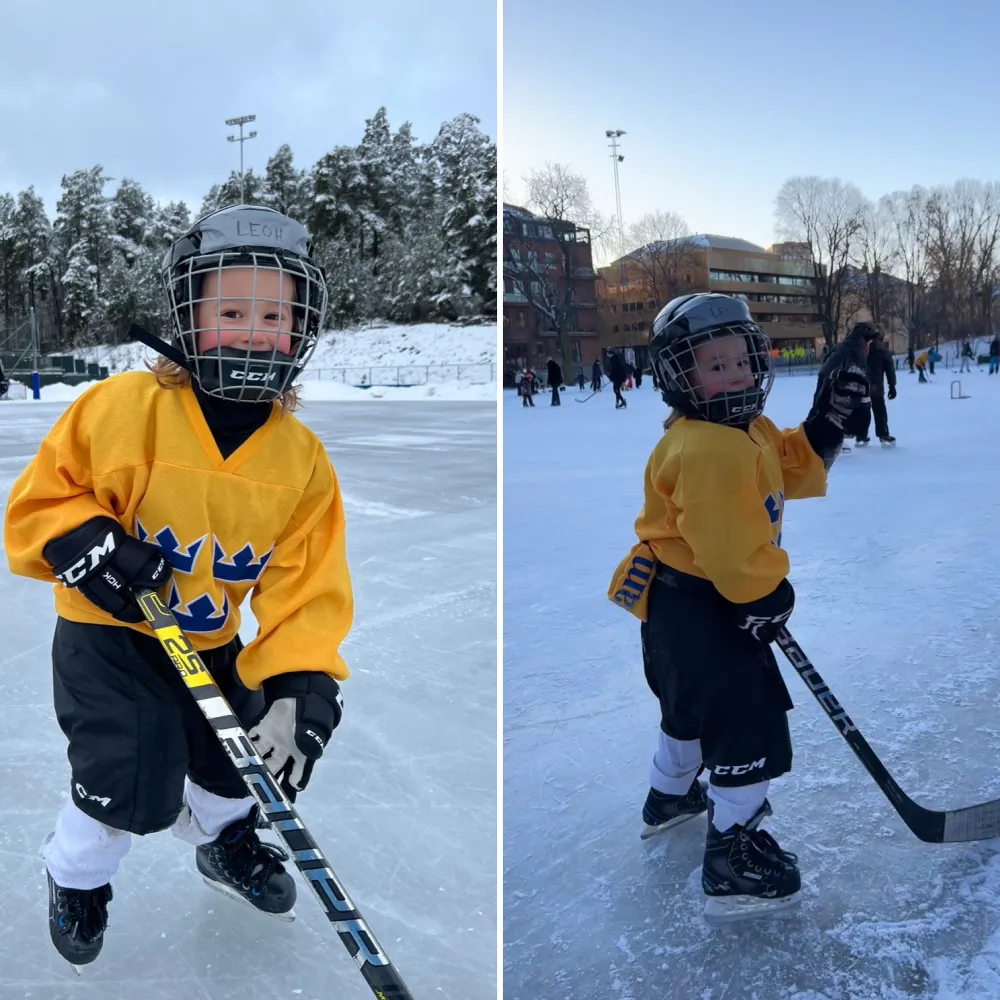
(276, 335)
(682, 378)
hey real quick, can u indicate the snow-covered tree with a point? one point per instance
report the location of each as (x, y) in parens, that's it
(284, 188)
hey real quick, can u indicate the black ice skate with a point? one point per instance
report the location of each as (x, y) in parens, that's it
(746, 874)
(862, 442)
(888, 441)
(237, 864)
(664, 812)
(77, 919)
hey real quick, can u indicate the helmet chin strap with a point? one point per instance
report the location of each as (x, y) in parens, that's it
(159, 345)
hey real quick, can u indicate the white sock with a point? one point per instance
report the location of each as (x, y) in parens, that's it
(82, 853)
(205, 815)
(675, 763)
(735, 805)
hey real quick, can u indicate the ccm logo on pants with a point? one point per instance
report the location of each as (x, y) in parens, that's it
(739, 768)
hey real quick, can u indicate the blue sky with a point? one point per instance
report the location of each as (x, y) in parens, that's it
(723, 101)
(145, 88)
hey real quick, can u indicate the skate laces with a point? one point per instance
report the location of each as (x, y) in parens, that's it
(769, 846)
(249, 861)
(87, 912)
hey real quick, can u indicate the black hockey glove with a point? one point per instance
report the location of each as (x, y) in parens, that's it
(303, 709)
(762, 618)
(892, 392)
(105, 564)
(838, 411)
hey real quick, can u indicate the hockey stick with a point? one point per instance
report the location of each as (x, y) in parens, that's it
(351, 928)
(592, 395)
(951, 826)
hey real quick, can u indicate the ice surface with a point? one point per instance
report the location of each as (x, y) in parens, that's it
(898, 583)
(405, 806)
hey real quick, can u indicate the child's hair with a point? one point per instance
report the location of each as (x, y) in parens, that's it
(672, 419)
(170, 375)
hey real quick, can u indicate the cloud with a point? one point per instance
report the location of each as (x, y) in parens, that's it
(145, 89)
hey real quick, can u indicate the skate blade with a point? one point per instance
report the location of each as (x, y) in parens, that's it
(233, 894)
(730, 909)
(649, 831)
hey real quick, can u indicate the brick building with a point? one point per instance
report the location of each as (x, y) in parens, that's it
(548, 278)
(776, 283)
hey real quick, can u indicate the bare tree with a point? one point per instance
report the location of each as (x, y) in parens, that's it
(555, 192)
(960, 245)
(908, 213)
(875, 256)
(661, 252)
(825, 216)
(563, 199)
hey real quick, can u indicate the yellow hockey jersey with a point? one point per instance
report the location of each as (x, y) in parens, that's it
(714, 500)
(267, 521)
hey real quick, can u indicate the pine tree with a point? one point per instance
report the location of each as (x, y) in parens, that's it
(282, 187)
(170, 223)
(468, 172)
(83, 236)
(132, 219)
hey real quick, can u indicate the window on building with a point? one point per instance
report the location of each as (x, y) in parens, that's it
(577, 354)
(533, 260)
(520, 318)
(519, 286)
(687, 279)
(550, 261)
(614, 329)
(515, 254)
(536, 288)
(545, 232)
(651, 304)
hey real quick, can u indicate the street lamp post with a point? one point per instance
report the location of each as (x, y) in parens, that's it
(241, 121)
(614, 134)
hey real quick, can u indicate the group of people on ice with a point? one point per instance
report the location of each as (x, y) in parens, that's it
(620, 373)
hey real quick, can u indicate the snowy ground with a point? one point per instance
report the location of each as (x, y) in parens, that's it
(898, 583)
(405, 807)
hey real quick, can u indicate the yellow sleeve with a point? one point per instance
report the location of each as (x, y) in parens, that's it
(303, 601)
(722, 518)
(52, 496)
(801, 468)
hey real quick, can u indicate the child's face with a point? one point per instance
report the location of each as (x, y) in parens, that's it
(721, 365)
(234, 313)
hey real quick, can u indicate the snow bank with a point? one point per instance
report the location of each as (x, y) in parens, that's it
(432, 360)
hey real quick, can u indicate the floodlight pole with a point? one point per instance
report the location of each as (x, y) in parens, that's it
(241, 121)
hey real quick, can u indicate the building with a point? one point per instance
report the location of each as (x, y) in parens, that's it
(777, 284)
(548, 280)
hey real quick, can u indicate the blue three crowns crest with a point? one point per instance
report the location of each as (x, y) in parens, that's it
(202, 614)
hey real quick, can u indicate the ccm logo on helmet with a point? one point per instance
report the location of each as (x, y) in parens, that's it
(72, 576)
(238, 373)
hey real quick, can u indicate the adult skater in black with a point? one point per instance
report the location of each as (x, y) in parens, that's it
(555, 377)
(596, 377)
(619, 373)
(851, 351)
(4, 384)
(880, 370)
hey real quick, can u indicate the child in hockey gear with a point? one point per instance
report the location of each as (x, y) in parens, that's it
(195, 475)
(708, 580)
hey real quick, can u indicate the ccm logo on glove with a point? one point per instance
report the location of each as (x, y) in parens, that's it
(106, 565)
(302, 710)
